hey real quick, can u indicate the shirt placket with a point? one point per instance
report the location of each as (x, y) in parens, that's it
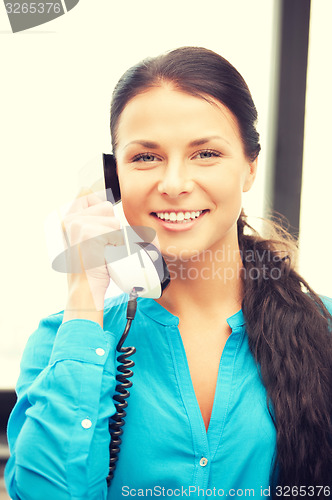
(205, 444)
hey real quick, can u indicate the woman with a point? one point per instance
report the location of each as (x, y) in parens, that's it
(232, 388)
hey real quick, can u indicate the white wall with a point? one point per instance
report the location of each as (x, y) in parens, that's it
(316, 204)
(55, 94)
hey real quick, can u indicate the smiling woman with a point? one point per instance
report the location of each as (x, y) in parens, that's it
(188, 157)
(232, 390)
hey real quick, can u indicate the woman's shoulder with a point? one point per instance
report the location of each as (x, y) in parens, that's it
(113, 305)
(327, 301)
(49, 325)
(38, 349)
(40, 342)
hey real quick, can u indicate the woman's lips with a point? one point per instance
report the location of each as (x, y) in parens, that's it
(179, 226)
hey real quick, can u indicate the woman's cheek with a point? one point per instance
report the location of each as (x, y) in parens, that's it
(230, 188)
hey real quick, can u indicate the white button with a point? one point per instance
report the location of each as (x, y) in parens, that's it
(100, 351)
(86, 423)
(203, 461)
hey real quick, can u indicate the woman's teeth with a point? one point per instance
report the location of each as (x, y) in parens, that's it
(179, 216)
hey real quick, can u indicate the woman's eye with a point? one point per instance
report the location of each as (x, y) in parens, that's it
(207, 154)
(145, 157)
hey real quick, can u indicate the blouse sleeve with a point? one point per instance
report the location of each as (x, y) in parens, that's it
(58, 431)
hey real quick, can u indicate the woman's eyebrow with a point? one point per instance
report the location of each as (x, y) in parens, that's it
(196, 142)
(199, 142)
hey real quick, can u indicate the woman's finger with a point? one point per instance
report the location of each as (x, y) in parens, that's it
(104, 208)
(86, 198)
(81, 227)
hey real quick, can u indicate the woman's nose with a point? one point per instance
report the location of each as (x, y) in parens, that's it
(175, 180)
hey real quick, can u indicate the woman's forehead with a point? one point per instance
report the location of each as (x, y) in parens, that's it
(157, 109)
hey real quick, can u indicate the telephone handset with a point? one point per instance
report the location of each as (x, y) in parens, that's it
(142, 272)
(143, 267)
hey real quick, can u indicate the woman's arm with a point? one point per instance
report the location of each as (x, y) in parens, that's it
(58, 430)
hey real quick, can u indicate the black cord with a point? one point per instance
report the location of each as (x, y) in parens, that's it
(122, 388)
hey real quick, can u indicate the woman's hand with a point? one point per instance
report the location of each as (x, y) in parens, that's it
(88, 227)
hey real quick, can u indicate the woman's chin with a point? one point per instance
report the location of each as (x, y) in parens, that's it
(173, 254)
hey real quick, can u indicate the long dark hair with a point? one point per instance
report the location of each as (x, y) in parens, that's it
(287, 322)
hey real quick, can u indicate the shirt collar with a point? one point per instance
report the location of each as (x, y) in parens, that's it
(158, 313)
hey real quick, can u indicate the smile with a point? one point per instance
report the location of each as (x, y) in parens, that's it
(179, 216)
(179, 220)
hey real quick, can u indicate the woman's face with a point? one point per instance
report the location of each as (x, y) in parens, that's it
(180, 157)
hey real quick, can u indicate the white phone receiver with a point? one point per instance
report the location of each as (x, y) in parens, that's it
(143, 269)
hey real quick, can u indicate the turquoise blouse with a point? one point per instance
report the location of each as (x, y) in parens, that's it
(58, 431)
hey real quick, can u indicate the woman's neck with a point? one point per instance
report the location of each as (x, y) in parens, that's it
(209, 282)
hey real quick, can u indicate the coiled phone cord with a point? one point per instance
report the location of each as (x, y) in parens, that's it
(122, 388)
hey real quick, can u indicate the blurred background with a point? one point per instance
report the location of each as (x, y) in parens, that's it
(56, 87)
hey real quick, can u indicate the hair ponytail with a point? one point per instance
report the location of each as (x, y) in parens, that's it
(289, 337)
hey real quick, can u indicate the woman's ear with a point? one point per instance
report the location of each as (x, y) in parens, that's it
(111, 179)
(250, 175)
